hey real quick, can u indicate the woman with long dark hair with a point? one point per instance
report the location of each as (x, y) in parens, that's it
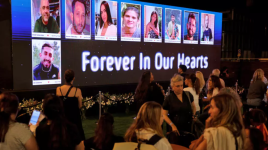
(13, 135)
(57, 133)
(104, 138)
(106, 26)
(152, 28)
(194, 88)
(72, 101)
(147, 90)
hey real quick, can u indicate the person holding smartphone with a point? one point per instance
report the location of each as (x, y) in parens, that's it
(13, 135)
(57, 133)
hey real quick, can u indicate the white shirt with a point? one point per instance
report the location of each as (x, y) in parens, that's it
(221, 138)
(69, 30)
(111, 31)
(215, 91)
(162, 144)
(222, 83)
(196, 97)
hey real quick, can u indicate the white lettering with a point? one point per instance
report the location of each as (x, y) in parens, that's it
(109, 63)
(94, 64)
(187, 61)
(85, 61)
(125, 63)
(158, 66)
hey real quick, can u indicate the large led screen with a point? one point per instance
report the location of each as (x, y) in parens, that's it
(109, 41)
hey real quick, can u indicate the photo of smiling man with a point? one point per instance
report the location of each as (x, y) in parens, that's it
(191, 24)
(46, 62)
(44, 18)
(130, 22)
(77, 19)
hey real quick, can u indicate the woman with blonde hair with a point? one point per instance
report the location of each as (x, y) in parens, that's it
(224, 128)
(257, 89)
(148, 125)
(200, 76)
(202, 93)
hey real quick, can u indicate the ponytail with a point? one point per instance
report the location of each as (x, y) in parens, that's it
(195, 82)
(197, 86)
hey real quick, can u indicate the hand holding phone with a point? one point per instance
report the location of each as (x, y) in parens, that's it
(34, 117)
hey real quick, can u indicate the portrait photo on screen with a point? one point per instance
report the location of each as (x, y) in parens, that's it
(173, 26)
(46, 62)
(191, 22)
(105, 20)
(45, 18)
(152, 24)
(207, 28)
(77, 19)
(130, 22)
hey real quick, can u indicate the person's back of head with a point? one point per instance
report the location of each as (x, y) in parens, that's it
(54, 112)
(149, 116)
(200, 76)
(258, 75)
(194, 82)
(256, 139)
(104, 131)
(216, 72)
(69, 76)
(143, 86)
(255, 117)
(9, 104)
(182, 69)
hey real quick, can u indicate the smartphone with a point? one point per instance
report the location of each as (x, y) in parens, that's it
(34, 117)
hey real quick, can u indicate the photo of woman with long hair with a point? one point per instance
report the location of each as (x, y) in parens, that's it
(152, 23)
(106, 26)
(152, 29)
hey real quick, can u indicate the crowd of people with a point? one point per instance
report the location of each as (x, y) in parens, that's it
(199, 115)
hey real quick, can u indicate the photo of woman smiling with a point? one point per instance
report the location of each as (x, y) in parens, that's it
(106, 19)
(131, 21)
(152, 24)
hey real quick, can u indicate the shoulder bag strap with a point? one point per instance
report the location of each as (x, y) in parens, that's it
(187, 93)
(236, 143)
(154, 139)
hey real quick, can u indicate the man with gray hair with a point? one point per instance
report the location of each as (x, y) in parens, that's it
(217, 73)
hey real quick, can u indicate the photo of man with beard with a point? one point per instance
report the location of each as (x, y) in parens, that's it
(46, 70)
(77, 20)
(191, 26)
(46, 23)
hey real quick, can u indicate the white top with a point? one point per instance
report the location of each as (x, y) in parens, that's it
(162, 144)
(69, 30)
(222, 83)
(16, 137)
(196, 97)
(221, 138)
(111, 31)
(215, 91)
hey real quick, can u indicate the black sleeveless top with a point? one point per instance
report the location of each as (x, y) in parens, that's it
(72, 111)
